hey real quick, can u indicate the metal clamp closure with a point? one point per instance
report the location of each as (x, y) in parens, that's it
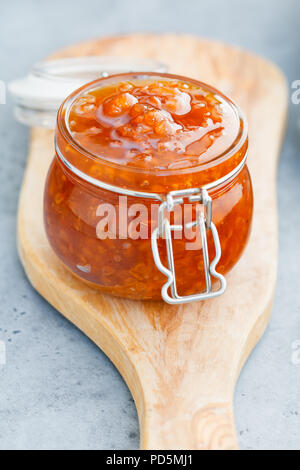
(164, 230)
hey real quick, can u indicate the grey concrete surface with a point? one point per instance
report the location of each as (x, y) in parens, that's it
(57, 390)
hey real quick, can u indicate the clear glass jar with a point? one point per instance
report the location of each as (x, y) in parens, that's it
(100, 212)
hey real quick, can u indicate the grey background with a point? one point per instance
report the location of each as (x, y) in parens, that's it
(57, 390)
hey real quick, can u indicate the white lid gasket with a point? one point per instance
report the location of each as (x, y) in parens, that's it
(38, 96)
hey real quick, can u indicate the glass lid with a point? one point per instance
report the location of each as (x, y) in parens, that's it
(37, 96)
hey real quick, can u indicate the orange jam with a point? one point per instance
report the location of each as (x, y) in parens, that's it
(161, 125)
(151, 134)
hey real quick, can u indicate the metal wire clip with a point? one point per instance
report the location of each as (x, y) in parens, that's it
(164, 229)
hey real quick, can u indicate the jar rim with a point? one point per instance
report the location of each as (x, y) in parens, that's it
(63, 127)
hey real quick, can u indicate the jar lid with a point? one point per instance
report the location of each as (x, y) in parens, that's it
(38, 96)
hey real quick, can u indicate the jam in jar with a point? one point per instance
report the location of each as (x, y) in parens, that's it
(149, 187)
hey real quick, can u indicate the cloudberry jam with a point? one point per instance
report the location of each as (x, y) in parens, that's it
(147, 133)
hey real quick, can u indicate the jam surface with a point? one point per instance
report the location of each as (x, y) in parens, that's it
(154, 125)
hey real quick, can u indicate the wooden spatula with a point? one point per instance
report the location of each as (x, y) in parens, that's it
(180, 363)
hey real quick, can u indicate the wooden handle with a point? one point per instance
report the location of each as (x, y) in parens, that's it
(209, 428)
(177, 421)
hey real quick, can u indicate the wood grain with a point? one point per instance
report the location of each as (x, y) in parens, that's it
(180, 363)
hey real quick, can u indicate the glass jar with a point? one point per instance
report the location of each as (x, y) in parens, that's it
(143, 232)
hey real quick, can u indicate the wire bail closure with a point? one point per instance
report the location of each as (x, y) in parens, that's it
(164, 230)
